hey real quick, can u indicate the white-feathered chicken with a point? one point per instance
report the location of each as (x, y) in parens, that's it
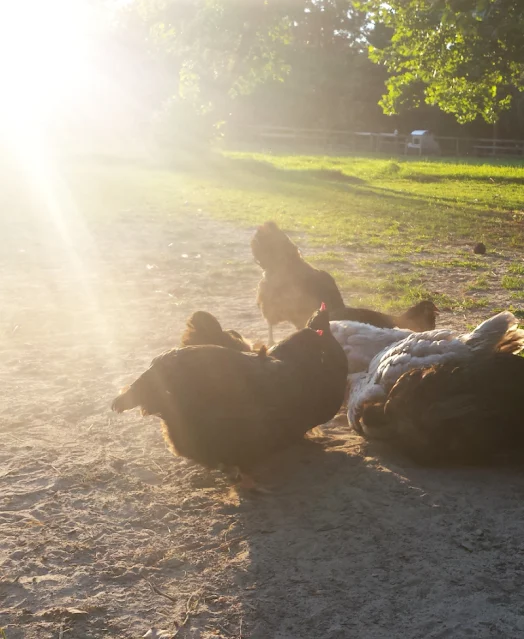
(419, 350)
(361, 342)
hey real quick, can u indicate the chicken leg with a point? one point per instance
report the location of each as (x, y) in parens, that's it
(247, 482)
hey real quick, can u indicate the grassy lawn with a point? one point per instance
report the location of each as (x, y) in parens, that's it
(390, 231)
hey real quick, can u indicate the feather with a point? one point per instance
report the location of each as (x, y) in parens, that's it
(421, 350)
(467, 412)
(361, 342)
(500, 333)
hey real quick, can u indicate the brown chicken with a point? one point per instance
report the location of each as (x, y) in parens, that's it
(418, 318)
(228, 409)
(449, 413)
(290, 289)
(204, 328)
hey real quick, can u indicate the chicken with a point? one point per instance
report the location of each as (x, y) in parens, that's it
(420, 350)
(361, 342)
(421, 317)
(225, 408)
(204, 328)
(466, 413)
(290, 289)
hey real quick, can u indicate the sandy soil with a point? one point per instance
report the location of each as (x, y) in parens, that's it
(105, 534)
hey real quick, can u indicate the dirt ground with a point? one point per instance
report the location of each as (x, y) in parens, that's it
(105, 534)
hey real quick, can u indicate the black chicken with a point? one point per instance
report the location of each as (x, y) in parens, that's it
(468, 413)
(224, 408)
(204, 328)
(420, 317)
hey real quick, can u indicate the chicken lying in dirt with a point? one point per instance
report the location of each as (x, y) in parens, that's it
(204, 328)
(229, 409)
(456, 413)
(369, 389)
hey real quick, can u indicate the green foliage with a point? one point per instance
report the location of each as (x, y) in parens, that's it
(295, 61)
(331, 81)
(466, 56)
(211, 50)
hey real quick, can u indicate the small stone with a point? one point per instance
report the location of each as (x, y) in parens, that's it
(479, 248)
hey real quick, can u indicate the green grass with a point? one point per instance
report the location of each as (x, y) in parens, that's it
(326, 258)
(516, 269)
(464, 263)
(358, 203)
(480, 284)
(367, 205)
(512, 283)
(402, 222)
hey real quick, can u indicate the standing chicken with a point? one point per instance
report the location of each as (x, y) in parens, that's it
(466, 413)
(225, 408)
(290, 289)
(370, 389)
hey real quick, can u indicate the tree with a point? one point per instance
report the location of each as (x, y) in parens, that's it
(465, 56)
(330, 83)
(213, 50)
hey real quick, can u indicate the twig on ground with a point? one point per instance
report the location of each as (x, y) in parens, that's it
(157, 590)
(192, 604)
(162, 470)
(191, 609)
(230, 542)
(9, 472)
(226, 632)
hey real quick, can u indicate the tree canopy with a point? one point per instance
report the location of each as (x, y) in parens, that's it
(307, 62)
(465, 56)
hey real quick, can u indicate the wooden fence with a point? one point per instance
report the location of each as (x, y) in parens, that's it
(340, 141)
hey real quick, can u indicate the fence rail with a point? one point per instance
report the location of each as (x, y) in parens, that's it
(331, 140)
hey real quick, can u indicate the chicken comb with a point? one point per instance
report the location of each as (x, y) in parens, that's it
(320, 332)
(322, 307)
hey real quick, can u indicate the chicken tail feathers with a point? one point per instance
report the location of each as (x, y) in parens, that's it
(498, 333)
(125, 401)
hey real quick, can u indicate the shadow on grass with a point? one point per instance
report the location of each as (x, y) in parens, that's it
(458, 177)
(265, 169)
(250, 174)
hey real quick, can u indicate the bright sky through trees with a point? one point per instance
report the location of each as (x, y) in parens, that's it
(44, 56)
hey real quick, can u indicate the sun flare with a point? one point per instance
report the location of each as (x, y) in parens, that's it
(45, 61)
